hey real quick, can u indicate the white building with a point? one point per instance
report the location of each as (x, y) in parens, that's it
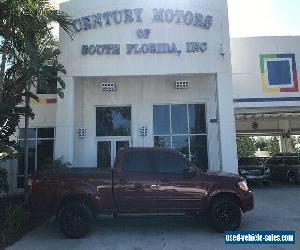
(266, 87)
(158, 73)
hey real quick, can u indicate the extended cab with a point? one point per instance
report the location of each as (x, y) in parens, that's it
(143, 180)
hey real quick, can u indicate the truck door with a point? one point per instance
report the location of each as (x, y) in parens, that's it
(136, 181)
(176, 191)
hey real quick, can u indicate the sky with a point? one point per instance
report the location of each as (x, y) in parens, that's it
(249, 18)
(264, 17)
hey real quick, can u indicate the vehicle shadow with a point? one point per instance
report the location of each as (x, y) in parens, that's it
(154, 223)
(274, 184)
(145, 224)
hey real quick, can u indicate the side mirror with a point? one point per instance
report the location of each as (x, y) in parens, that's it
(189, 172)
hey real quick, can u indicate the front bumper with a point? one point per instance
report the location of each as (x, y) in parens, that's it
(246, 201)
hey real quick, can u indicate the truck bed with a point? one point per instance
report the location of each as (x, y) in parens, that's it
(51, 187)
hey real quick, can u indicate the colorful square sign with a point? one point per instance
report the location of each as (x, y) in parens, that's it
(279, 73)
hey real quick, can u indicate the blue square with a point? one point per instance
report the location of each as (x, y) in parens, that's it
(279, 72)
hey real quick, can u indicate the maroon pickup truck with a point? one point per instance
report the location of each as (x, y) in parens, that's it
(143, 180)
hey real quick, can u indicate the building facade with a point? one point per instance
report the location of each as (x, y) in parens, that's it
(141, 74)
(266, 87)
(162, 74)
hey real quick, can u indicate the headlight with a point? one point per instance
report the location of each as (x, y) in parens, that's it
(243, 185)
(268, 171)
(243, 172)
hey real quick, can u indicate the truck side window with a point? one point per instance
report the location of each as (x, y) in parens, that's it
(139, 162)
(293, 160)
(170, 163)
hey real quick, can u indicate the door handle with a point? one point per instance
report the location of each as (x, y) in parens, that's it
(154, 186)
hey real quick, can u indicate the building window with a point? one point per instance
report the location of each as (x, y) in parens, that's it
(113, 121)
(182, 127)
(47, 87)
(41, 150)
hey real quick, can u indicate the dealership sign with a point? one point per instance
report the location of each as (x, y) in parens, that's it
(129, 16)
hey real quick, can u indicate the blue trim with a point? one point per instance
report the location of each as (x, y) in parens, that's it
(279, 99)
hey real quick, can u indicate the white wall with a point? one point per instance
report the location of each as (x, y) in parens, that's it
(88, 68)
(141, 93)
(45, 113)
(208, 62)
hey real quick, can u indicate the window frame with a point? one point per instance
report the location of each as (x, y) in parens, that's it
(113, 106)
(189, 135)
(35, 140)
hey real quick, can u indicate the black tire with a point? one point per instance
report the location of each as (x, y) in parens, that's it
(75, 219)
(225, 214)
(291, 178)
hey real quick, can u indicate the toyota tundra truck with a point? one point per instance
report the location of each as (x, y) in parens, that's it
(143, 180)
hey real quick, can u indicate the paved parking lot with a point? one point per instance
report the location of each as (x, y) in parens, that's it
(276, 208)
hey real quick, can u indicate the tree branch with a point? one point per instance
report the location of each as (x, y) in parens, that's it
(2, 68)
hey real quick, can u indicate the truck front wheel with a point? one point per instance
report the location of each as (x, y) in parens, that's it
(75, 219)
(225, 214)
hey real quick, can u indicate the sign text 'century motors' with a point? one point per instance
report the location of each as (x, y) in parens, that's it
(129, 16)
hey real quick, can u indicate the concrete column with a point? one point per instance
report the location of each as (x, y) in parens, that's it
(227, 135)
(64, 141)
(286, 144)
(285, 139)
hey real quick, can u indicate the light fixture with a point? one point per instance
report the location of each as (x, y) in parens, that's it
(108, 87)
(82, 132)
(144, 131)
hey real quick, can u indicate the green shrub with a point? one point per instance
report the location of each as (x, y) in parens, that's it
(57, 164)
(12, 222)
(3, 181)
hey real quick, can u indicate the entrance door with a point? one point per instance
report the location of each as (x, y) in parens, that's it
(113, 132)
(107, 150)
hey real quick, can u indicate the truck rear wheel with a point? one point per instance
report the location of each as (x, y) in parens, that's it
(225, 214)
(75, 219)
